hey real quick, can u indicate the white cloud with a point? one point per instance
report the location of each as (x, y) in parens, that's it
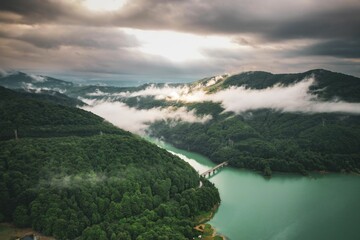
(137, 120)
(37, 78)
(293, 98)
(181, 93)
(69, 181)
(29, 87)
(3, 73)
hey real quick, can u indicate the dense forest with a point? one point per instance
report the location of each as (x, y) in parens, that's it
(268, 140)
(34, 115)
(73, 176)
(331, 84)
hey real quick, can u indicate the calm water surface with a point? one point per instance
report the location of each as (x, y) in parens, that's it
(285, 207)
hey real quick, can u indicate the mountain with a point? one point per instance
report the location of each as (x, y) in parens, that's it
(331, 84)
(35, 116)
(71, 175)
(18, 80)
(316, 134)
(273, 139)
(52, 96)
(46, 85)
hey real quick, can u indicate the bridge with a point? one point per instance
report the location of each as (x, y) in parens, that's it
(214, 169)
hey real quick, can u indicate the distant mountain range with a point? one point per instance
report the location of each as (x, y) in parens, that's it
(17, 80)
(256, 120)
(328, 85)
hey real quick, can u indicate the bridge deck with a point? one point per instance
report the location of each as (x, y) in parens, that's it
(213, 169)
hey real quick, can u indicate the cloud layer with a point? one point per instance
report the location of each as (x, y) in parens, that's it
(136, 120)
(138, 38)
(292, 98)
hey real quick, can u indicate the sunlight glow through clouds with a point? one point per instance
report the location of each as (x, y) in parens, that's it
(104, 5)
(179, 47)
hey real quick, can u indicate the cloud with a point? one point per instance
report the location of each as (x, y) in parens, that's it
(71, 181)
(136, 120)
(277, 19)
(31, 88)
(68, 36)
(152, 90)
(55, 36)
(38, 78)
(335, 48)
(3, 73)
(291, 98)
(39, 11)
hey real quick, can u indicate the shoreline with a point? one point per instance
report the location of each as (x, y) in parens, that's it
(202, 225)
(10, 231)
(308, 172)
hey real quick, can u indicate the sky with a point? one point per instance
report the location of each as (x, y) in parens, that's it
(177, 40)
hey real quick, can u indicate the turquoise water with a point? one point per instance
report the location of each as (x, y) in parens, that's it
(285, 207)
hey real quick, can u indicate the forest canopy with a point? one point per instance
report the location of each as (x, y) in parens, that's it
(104, 183)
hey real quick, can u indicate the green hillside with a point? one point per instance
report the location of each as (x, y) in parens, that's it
(87, 185)
(35, 116)
(264, 140)
(332, 84)
(267, 140)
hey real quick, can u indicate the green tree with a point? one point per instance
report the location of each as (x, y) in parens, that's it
(21, 216)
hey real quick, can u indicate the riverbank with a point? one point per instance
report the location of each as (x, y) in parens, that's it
(8, 232)
(254, 207)
(206, 231)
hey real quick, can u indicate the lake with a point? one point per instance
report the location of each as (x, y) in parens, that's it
(287, 206)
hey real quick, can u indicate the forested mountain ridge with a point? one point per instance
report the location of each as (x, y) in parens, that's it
(331, 84)
(267, 141)
(273, 139)
(16, 80)
(95, 181)
(34, 116)
(328, 85)
(267, 138)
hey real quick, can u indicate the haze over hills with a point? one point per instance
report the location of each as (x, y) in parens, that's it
(329, 85)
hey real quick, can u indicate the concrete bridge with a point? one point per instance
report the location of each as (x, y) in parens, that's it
(213, 170)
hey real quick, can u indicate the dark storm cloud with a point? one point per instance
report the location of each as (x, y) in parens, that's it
(93, 61)
(335, 48)
(328, 28)
(38, 11)
(275, 20)
(343, 22)
(278, 19)
(271, 20)
(57, 36)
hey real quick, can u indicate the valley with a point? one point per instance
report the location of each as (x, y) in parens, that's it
(179, 120)
(310, 127)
